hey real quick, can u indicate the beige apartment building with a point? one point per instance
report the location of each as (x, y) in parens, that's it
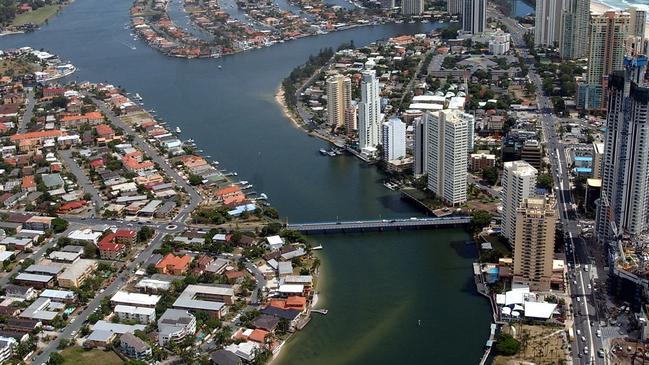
(534, 243)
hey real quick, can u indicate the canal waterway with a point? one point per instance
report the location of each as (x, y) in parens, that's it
(400, 297)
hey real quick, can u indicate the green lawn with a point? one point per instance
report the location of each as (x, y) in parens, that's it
(78, 356)
(38, 16)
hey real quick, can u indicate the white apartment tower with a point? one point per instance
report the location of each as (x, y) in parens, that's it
(547, 25)
(454, 6)
(573, 39)
(339, 99)
(448, 137)
(519, 183)
(412, 7)
(474, 16)
(369, 113)
(624, 201)
(420, 147)
(394, 139)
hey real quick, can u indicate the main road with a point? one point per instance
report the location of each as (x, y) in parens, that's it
(175, 225)
(585, 317)
(586, 321)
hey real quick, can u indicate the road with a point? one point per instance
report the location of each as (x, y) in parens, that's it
(586, 321)
(29, 112)
(194, 197)
(161, 229)
(82, 179)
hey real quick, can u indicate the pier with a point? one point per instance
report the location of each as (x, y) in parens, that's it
(379, 225)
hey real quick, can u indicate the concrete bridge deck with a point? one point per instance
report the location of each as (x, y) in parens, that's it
(379, 225)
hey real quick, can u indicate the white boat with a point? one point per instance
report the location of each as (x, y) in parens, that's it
(243, 182)
(178, 130)
(323, 151)
(317, 248)
(137, 96)
(263, 196)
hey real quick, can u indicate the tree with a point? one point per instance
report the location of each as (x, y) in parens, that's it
(59, 225)
(545, 181)
(56, 359)
(479, 219)
(145, 234)
(195, 180)
(507, 345)
(490, 174)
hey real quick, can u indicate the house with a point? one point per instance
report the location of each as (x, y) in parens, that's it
(275, 242)
(174, 325)
(174, 265)
(134, 347)
(52, 181)
(28, 183)
(105, 131)
(285, 268)
(265, 322)
(142, 315)
(225, 357)
(77, 273)
(20, 292)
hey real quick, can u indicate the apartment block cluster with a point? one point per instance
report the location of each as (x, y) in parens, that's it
(603, 38)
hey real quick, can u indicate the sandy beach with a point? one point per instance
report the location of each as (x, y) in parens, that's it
(279, 99)
(600, 7)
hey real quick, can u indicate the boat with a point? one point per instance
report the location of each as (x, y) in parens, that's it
(323, 151)
(331, 153)
(317, 247)
(243, 182)
(419, 322)
(220, 67)
(263, 196)
(137, 96)
(178, 130)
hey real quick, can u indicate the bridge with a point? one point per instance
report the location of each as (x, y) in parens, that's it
(379, 225)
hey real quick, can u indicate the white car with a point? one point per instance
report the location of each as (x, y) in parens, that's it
(599, 333)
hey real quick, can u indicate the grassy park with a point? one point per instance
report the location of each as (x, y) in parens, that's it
(38, 16)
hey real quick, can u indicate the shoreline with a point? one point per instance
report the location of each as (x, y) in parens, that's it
(279, 100)
(296, 120)
(598, 6)
(314, 301)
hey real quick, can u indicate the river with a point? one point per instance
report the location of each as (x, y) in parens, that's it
(377, 287)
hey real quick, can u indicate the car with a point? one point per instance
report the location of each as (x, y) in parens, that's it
(599, 333)
(583, 338)
(600, 353)
(578, 333)
(578, 299)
